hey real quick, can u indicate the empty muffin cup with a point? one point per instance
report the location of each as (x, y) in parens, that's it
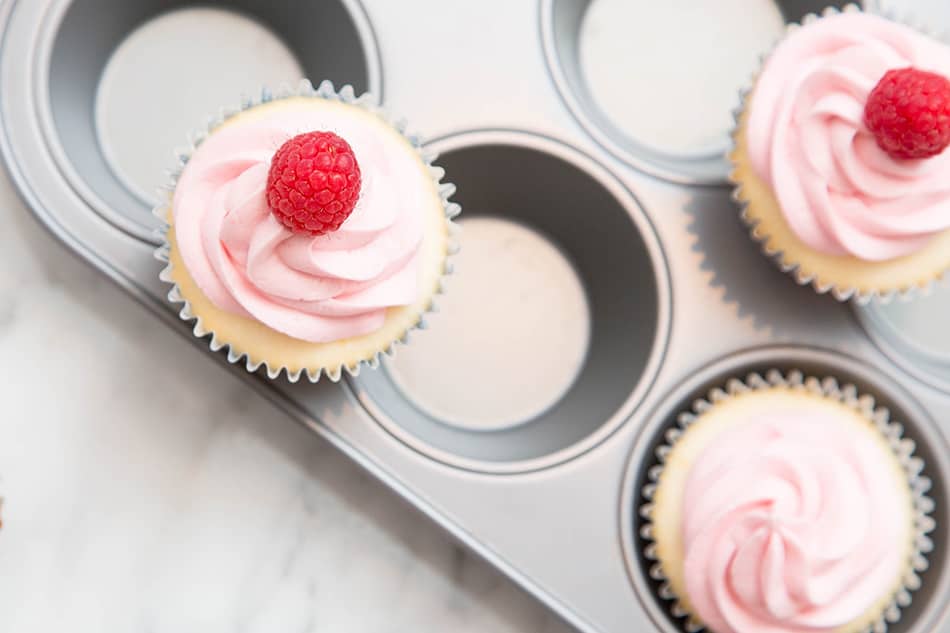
(558, 315)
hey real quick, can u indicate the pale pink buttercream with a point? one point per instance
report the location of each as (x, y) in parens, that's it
(317, 289)
(792, 523)
(840, 193)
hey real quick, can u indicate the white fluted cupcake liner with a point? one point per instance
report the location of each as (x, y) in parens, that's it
(793, 269)
(303, 89)
(893, 431)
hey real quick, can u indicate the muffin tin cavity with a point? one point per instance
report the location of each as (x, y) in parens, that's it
(914, 334)
(656, 83)
(928, 606)
(564, 268)
(123, 92)
(244, 56)
(503, 264)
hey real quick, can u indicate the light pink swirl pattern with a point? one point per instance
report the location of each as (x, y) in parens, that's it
(840, 193)
(791, 524)
(317, 289)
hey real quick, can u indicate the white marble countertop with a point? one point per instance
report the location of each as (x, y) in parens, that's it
(145, 489)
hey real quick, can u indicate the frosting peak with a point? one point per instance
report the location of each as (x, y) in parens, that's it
(791, 523)
(318, 289)
(838, 190)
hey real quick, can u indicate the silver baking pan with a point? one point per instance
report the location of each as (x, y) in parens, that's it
(533, 445)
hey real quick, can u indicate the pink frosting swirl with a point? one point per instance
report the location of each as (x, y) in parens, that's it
(792, 523)
(840, 193)
(317, 289)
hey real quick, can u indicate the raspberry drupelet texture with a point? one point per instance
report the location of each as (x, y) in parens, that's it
(908, 112)
(313, 183)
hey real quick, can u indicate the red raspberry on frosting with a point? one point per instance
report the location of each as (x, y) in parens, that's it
(908, 112)
(313, 183)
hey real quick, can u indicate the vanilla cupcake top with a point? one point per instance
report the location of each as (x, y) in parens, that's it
(307, 219)
(794, 515)
(855, 158)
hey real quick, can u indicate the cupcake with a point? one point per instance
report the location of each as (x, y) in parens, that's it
(306, 234)
(787, 505)
(840, 160)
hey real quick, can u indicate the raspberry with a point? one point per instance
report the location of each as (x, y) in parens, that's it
(313, 183)
(908, 112)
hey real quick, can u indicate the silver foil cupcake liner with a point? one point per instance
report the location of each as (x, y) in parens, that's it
(793, 269)
(303, 89)
(893, 431)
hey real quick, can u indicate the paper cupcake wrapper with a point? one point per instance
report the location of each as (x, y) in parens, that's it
(182, 155)
(893, 431)
(803, 278)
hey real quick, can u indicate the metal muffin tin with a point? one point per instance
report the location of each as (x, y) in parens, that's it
(680, 298)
